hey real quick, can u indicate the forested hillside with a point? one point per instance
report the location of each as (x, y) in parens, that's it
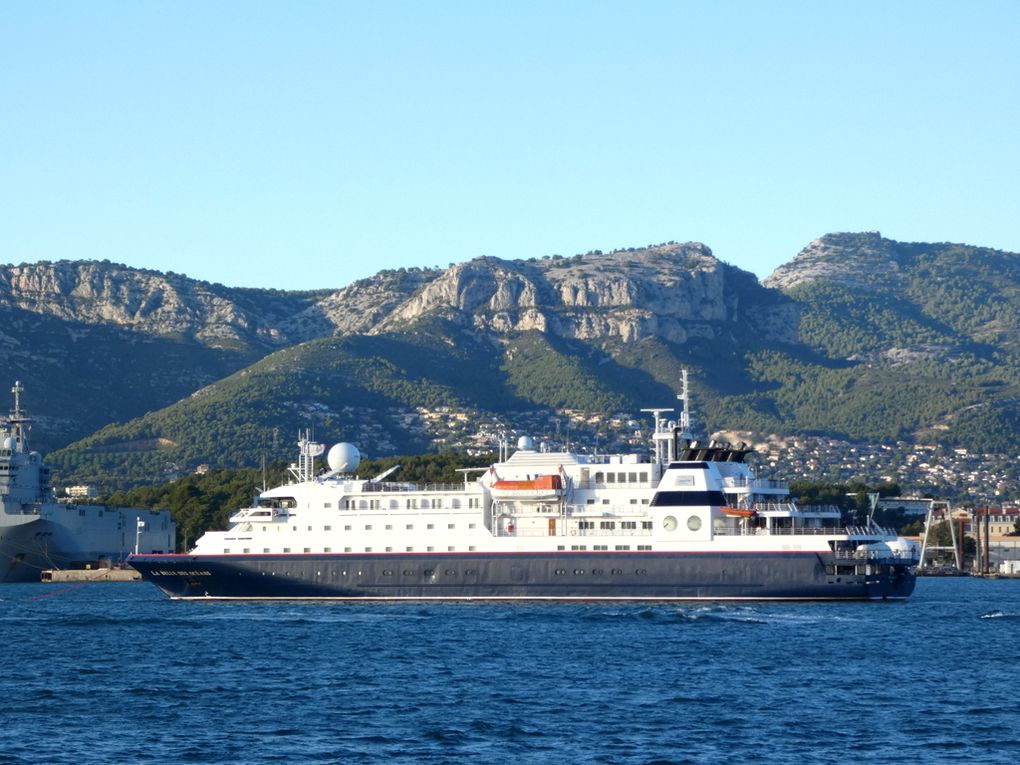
(858, 337)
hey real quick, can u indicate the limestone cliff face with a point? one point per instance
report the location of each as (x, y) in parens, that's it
(160, 304)
(674, 291)
(862, 260)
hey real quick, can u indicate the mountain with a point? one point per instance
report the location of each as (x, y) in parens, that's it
(858, 337)
(96, 342)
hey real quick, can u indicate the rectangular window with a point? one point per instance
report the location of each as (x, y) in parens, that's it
(644, 477)
(632, 477)
(628, 524)
(410, 526)
(389, 527)
(471, 548)
(578, 547)
(561, 547)
(389, 549)
(327, 549)
(408, 549)
(430, 526)
(623, 547)
(646, 524)
(265, 549)
(327, 528)
(451, 525)
(308, 549)
(347, 528)
(347, 549)
(450, 549)
(368, 549)
(607, 524)
(605, 502)
(327, 505)
(430, 549)
(610, 477)
(471, 525)
(591, 502)
(644, 547)
(368, 527)
(600, 547)
(247, 550)
(286, 549)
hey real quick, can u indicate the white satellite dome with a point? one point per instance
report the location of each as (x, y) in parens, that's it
(343, 458)
(525, 444)
(9, 442)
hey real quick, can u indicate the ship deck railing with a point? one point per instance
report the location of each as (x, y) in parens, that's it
(738, 482)
(574, 533)
(833, 531)
(462, 488)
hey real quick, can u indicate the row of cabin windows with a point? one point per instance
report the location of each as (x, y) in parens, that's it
(411, 503)
(602, 547)
(387, 527)
(633, 501)
(641, 477)
(610, 525)
(266, 550)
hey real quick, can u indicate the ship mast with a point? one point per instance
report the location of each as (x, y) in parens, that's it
(18, 419)
(304, 469)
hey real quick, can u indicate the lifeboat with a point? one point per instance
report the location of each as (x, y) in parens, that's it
(543, 487)
(737, 512)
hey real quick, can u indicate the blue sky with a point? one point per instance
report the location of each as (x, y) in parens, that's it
(307, 144)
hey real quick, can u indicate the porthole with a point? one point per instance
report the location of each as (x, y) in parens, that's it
(387, 572)
(640, 572)
(408, 572)
(450, 572)
(616, 571)
(669, 523)
(578, 571)
(597, 571)
(560, 571)
(469, 572)
(428, 572)
(694, 522)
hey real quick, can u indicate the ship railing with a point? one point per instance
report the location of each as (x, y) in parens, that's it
(739, 482)
(591, 483)
(471, 488)
(798, 531)
(573, 533)
(898, 556)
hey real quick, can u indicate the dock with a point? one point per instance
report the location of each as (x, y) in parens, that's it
(91, 575)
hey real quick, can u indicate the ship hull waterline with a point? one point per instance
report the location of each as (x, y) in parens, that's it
(695, 576)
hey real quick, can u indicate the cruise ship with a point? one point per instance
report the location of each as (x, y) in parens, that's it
(687, 521)
(39, 533)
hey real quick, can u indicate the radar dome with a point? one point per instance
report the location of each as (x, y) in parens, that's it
(525, 444)
(343, 458)
(9, 442)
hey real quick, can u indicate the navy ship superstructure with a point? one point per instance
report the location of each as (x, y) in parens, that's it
(688, 522)
(39, 533)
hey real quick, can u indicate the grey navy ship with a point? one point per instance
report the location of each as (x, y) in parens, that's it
(687, 521)
(37, 532)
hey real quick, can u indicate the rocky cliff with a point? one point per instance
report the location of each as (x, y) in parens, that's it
(102, 293)
(672, 291)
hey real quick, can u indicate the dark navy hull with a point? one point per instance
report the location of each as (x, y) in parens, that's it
(524, 576)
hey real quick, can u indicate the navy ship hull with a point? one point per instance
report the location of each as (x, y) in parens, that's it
(525, 576)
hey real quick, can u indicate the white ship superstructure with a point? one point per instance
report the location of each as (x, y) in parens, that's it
(689, 521)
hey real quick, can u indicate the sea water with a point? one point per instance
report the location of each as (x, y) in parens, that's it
(117, 673)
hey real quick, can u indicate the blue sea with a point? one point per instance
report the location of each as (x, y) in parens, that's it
(117, 673)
